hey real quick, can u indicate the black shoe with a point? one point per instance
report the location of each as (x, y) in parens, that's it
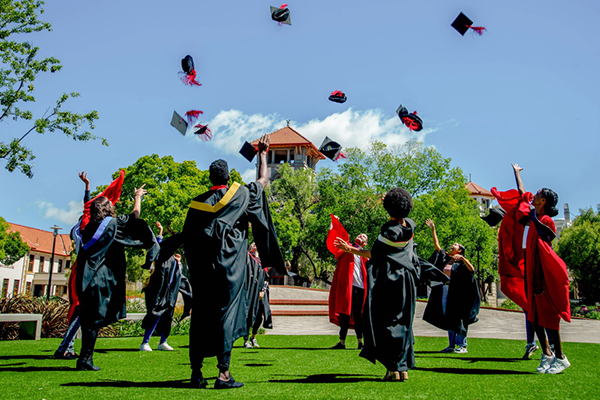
(86, 364)
(230, 384)
(65, 356)
(339, 346)
(361, 345)
(197, 381)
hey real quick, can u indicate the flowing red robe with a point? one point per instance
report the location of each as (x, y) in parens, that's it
(340, 293)
(541, 289)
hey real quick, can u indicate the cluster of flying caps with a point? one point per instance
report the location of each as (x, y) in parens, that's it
(494, 217)
(178, 122)
(462, 24)
(331, 149)
(338, 97)
(411, 120)
(281, 15)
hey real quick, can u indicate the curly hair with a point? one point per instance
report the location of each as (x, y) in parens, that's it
(398, 202)
(218, 172)
(551, 202)
(101, 208)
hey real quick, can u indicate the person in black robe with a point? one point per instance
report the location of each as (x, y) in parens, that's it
(453, 307)
(215, 237)
(164, 285)
(259, 309)
(393, 272)
(101, 262)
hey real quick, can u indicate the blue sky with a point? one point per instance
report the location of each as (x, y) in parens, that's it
(526, 91)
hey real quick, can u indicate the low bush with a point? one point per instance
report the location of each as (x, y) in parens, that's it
(54, 315)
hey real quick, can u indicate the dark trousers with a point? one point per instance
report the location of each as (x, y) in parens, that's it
(358, 297)
(260, 313)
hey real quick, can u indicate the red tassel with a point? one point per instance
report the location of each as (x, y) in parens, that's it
(337, 93)
(283, 6)
(193, 115)
(341, 155)
(204, 132)
(410, 124)
(478, 29)
(190, 79)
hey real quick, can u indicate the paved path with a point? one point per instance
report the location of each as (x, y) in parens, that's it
(492, 323)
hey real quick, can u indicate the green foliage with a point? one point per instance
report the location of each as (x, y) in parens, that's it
(579, 247)
(508, 304)
(54, 315)
(21, 65)
(12, 248)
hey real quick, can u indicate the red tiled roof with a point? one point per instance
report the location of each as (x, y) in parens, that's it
(475, 189)
(287, 137)
(41, 241)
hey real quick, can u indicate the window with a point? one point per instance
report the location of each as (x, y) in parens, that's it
(60, 265)
(41, 268)
(68, 264)
(30, 266)
(28, 288)
(4, 287)
(281, 156)
(16, 285)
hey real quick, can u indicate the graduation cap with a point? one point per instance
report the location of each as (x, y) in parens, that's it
(331, 149)
(495, 216)
(411, 120)
(281, 15)
(179, 123)
(338, 97)
(248, 151)
(189, 72)
(203, 131)
(193, 115)
(462, 23)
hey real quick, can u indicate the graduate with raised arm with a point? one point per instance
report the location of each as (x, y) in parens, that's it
(392, 276)
(455, 306)
(101, 266)
(215, 236)
(526, 234)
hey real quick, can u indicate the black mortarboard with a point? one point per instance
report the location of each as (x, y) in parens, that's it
(248, 151)
(189, 72)
(411, 120)
(495, 216)
(203, 131)
(179, 123)
(338, 97)
(462, 23)
(331, 149)
(281, 15)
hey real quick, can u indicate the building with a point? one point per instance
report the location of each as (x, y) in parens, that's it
(562, 223)
(482, 196)
(29, 275)
(288, 146)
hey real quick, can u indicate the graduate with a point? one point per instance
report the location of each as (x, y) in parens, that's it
(529, 268)
(259, 308)
(101, 263)
(392, 276)
(455, 306)
(215, 237)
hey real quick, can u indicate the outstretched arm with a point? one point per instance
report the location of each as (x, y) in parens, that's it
(345, 247)
(263, 171)
(436, 242)
(468, 264)
(517, 171)
(84, 179)
(137, 204)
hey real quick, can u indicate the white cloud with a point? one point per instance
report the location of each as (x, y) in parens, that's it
(249, 175)
(350, 128)
(68, 217)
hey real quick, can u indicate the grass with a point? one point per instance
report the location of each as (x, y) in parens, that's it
(295, 367)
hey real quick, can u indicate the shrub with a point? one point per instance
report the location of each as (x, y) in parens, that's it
(54, 315)
(508, 304)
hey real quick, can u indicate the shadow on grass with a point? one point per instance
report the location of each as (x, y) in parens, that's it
(472, 371)
(28, 356)
(476, 359)
(258, 365)
(123, 349)
(36, 369)
(299, 348)
(330, 378)
(176, 384)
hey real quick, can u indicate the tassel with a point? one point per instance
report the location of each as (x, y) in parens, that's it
(204, 132)
(478, 29)
(337, 93)
(341, 155)
(193, 115)
(190, 79)
(410, 124)
(283, 6)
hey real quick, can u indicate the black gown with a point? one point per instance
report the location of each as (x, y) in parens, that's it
(392, 276)
(215, 236)
(101, 278)
(462, 304)
(256, 283)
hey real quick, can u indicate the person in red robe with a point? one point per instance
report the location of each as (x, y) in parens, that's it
(347, 293)
(531, 273)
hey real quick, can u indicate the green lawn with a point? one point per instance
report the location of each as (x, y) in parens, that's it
(295, 367)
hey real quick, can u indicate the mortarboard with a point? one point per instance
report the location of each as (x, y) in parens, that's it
(331, 149)
(203, 131)
(411, 120)
(495, 216)
(189, 72)
(462, 23)
(338, 97)
(179, 123)
(248, 151)
(281, 15)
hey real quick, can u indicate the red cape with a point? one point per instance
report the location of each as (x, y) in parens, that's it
(340, 293)
(112, 193)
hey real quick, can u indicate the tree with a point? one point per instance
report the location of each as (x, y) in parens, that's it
(12, 248)
(20, 67)
(579, 247)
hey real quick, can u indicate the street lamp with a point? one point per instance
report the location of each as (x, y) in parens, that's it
(55, 228)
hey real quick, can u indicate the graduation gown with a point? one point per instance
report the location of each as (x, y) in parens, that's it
(101, 266)
(463, 302)
(215, 236)
(256, 284)
(340, 293)
(392, 276)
